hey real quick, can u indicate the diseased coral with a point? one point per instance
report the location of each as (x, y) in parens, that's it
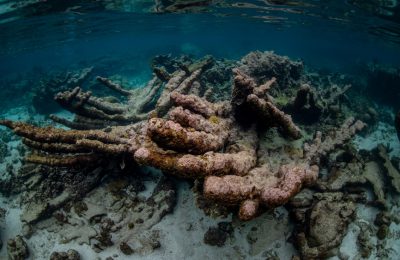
(305, 106)
(94, 112)
(122, 217)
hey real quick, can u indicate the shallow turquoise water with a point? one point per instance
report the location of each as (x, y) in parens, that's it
(322, 34)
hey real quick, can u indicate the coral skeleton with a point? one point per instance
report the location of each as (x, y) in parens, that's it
(169, 124)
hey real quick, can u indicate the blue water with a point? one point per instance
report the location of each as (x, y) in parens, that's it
(60, 39)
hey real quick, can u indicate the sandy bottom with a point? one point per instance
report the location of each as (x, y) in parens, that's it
(181, 235)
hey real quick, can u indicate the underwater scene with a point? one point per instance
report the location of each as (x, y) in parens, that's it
(199, 129)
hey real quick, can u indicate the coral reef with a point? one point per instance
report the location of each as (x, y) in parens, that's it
(263, 185)
(188, 136)
(349, 178)
(253, 136)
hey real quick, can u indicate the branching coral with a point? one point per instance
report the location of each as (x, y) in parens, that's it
(261, 185)
(95, 112)
(78, 147)
(196, 133)
(174, 128)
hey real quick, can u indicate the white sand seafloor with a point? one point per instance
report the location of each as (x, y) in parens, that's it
(182, 232)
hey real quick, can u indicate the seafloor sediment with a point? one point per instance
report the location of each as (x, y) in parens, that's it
(261, 158)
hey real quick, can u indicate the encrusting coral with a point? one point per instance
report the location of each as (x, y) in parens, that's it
(169, 124)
